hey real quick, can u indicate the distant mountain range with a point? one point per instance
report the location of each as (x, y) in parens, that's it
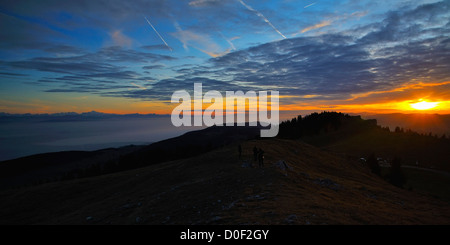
(435, 124)
(73, 116)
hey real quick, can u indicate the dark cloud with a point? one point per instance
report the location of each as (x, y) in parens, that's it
(89, 72)
(401, 25)
(163, 89)
(208, 3)
(57, 18)
(63, 49)
(63, 65)
(104, 63)
(12, 74)
(95, 89)
(407, 46)
(38, 26)
(152, 67)
(103, 13)
(325, 64)
(20, 34)
(337, 64)
(153, 47)
(119, 54)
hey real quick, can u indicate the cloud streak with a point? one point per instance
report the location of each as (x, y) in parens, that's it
(229, 41)
(120, 39)
(309, 5)
(316, 26)
(201, 42)
(262, 17)
(198, 3)
(162, 39)
(328, 22)
(138, 86)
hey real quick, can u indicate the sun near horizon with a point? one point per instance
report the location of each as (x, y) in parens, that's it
(424, 105)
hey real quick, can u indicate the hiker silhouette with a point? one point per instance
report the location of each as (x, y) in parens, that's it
(261, 157)
(240, 150)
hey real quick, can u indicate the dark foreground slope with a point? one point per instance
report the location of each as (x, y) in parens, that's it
(50, 167)
(219, 188)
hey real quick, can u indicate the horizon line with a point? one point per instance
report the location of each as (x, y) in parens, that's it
(169, 114)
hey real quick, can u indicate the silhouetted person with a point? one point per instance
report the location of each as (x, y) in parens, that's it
(261, 157)
(240, 150)
(255, 153)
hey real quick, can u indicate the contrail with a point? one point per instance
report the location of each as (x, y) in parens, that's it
(229, 41)
(309, 5)
(162, 39)
(139, 86)
(262, 16)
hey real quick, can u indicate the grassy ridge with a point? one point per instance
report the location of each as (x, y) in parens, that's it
(217, 187)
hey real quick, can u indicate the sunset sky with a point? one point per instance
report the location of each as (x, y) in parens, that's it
(130, 56)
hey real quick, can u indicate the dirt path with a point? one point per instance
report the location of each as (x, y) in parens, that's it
(427, 169)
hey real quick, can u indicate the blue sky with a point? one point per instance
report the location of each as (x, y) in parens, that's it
(103, 55)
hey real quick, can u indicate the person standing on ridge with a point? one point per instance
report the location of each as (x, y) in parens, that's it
(255, 153)
(240, 150)
(261, 157)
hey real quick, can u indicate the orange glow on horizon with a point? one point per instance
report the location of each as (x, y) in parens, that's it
(424, 105)
(306, 103)
(441, 107)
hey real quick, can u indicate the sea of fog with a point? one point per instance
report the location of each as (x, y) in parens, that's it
(20, 138)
